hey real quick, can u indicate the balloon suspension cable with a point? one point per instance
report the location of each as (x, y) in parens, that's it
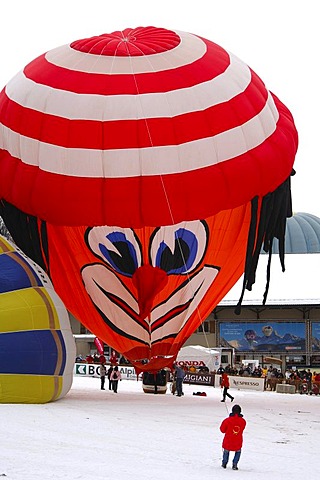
(205, 335)
(127, 41)
(182, 255)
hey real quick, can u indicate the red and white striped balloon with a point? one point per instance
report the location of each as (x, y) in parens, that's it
(144, 126)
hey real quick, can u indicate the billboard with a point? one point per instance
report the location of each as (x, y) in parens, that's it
(264, 337)
(93, 370)
(315, 334)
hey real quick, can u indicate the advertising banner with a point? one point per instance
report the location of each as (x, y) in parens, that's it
(264, 337)
(243, 383)
(199, 379)
(93, 370)
(315, 337)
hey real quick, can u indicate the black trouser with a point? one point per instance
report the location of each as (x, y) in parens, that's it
(179, 382)
(115, 385)
(225, 393)
(102, 381)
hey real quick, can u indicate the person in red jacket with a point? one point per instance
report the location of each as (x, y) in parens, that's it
(232, 427)
(225, 385)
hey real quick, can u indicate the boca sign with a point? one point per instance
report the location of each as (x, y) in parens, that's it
(93, 370)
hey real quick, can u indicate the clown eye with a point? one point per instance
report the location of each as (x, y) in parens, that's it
(178, 249)
(118, 247)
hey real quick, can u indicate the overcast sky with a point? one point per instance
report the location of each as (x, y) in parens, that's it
(279, 40)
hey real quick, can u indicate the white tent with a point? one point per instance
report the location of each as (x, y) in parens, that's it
(199, 356)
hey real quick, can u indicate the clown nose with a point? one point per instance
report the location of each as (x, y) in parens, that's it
(149, 281)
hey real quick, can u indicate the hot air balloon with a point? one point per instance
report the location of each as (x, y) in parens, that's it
(250, 336)
(267, 330)
(37, 348)
(144, 169)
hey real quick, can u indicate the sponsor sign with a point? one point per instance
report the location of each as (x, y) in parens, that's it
(191, 363)
(199, 379)
(243, 383)
(93, 370)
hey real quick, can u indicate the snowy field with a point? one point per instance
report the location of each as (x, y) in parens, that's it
(94, 434)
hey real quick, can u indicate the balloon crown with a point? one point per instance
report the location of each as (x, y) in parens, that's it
(129, 42)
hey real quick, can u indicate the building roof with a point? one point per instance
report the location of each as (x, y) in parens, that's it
(298, 285)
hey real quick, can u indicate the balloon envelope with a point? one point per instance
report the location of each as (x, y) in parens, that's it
(135, 157)
(37, 348)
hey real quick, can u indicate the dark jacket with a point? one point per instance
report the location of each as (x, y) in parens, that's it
(232, 427)
(180, 373)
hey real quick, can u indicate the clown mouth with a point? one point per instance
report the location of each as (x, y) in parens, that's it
(119, 308)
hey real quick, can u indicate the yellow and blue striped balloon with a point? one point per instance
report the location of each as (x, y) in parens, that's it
(37, 348)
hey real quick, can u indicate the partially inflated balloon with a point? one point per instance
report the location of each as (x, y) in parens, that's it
(37, 348)
(141, 162)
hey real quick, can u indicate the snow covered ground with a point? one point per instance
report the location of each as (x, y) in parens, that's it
(94, 434)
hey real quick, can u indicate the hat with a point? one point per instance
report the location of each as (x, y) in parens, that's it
(236, 409)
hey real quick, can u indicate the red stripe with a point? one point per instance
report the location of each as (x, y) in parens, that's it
(139, 41)
(141, 201)
(134, 133)
(212, 64)
(177, 310)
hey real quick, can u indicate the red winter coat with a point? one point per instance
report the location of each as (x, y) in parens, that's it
(233, 427)
(225, 380)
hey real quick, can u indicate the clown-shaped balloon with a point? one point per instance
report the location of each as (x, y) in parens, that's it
(148, 166)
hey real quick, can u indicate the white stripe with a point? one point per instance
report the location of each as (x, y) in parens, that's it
(189, 50)
(194, 290)
(230, 83)
(97, 277)
(145, 161)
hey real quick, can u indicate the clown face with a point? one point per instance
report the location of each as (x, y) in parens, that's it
(147, 288)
